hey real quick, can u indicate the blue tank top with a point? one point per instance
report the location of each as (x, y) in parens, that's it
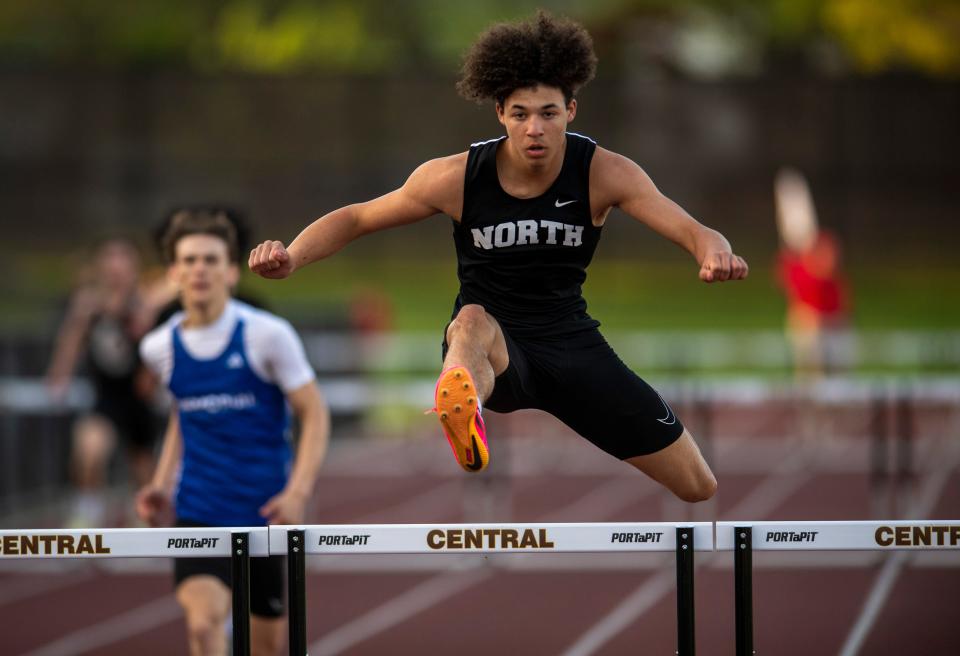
(236, 452)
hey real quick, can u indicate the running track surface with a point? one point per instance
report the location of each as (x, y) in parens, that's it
(805, 603)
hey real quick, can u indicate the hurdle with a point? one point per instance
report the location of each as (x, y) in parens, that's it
(743, 538)
(237, 543)
(298, 542)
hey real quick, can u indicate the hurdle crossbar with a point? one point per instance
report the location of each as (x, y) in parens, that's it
(684, 539)
(238, 544)
(128, 542)
(298, 542)
(743, 538)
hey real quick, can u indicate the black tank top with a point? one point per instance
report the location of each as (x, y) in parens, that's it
(112, 356)
(524, 260)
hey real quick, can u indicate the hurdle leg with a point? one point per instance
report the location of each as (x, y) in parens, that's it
(686, 638)
(905, 488)
(743, 592)
(880, 487)
(240, 587)
(296, 592)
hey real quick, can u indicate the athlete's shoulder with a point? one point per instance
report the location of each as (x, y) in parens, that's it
(442, 169)
(615, 177)
(163, 331)
(607, 163)
(156, 345)
(275, 349)
(609, 158)
(259, 318)
(265, 330)
(438, 183)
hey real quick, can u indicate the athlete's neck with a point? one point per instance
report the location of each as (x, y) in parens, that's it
(525, 178)
(199, 315)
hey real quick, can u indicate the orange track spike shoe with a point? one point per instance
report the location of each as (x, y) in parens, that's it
(457, 405)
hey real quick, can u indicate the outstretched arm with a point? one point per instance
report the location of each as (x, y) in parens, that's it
(436, 186)
(620, 182)
(69, 344)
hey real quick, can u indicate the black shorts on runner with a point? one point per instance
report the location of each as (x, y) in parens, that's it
(266, 577)
(582, 382)
(131, 418)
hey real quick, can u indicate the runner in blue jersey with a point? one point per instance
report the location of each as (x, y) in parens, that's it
(527, 211)
(233, 372)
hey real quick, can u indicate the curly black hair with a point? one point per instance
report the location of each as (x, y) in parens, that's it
(546, 50)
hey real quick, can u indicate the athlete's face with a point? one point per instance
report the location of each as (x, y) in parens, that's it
(202, 270)
(118, 264)
(536, 120)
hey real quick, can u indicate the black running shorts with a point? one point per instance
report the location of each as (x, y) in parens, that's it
(266, 577)
(581, 381)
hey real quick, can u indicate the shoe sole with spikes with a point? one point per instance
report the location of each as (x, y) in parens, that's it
(456, 404)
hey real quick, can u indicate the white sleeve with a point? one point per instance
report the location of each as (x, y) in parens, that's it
(282, 359)
(156, 352)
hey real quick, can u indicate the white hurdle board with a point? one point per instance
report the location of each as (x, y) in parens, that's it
(491, 538)
(129, 542)
(857, 535)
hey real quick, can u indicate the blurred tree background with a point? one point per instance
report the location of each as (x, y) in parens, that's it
(111, 112)
(715, 37)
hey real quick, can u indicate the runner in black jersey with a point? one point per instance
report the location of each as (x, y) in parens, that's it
(528, 210)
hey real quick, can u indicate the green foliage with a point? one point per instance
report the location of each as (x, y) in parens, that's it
(922, 34)
(299, 35)
(281, 36)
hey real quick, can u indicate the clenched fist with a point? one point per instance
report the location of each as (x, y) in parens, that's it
(155, 506)
(271, 260)
(719, 266)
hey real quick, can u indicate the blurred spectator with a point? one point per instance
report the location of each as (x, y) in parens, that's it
(371, 312)
(810, 274)
(106, 318)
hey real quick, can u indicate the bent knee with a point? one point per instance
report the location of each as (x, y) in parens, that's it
(701, 489)
(471, 319)
(470, 315)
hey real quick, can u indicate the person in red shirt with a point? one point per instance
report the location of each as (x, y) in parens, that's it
(817, 303)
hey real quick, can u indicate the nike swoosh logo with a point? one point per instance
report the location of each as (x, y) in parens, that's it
(671, 418)
(557, 202)
(477, 462)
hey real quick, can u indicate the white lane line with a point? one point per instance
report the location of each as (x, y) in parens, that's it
(883, 585)
(874, 603)
(766, 496)
(627, 611)
(621, 492)
(397, 610)
(88, 639)
(610, 498)
(434, 500)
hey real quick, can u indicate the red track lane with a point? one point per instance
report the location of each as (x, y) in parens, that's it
(921, 617)
(29, 623)
(806, 610)
(169, 639)
(522, 613)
